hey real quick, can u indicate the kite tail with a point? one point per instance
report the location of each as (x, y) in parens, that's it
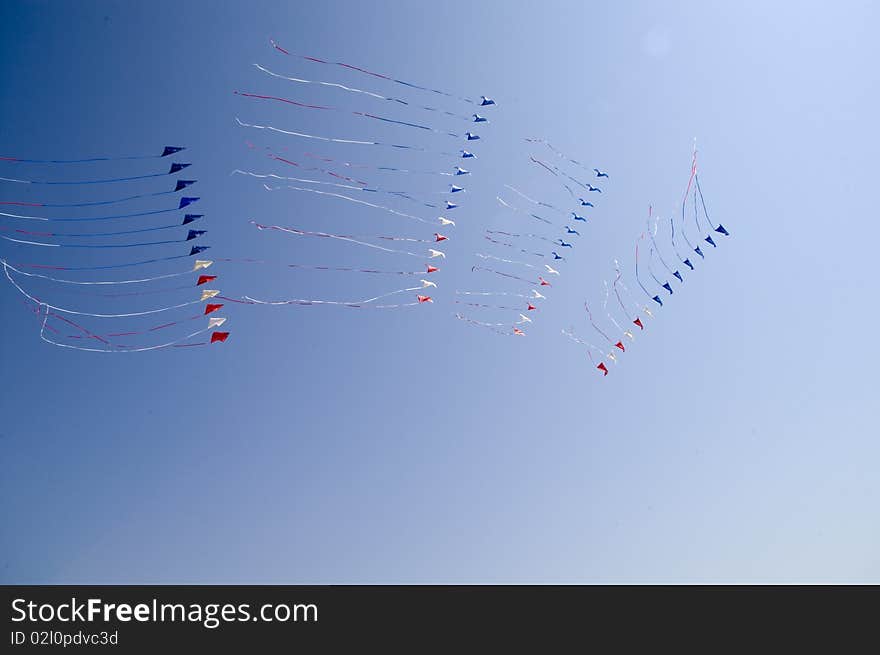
(174, 169)
(720, 228)
(177, 343)
(340, 237)
(371, 94)
(169, 150)
(303, 135)
(371, 73)
(657, 249)
(638, 279)
(306, 303)
(495, 327)
(506, 261)
(355, 113)
(596, 327)
(350, 199)
(366, 189)
(610, 315)
(589, 347)
(508, 275)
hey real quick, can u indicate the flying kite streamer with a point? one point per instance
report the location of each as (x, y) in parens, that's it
(191, 234)
(510, 245)
(520, 235)
(652, 232)
(534, 295)
(539, 203)
(363, 114)
(506, 261)
(540, 282)
(348, 186)
(54, 311)
(494, 327)
(506, 239)
(104, 338)
(683, 260)
(457, 170)
(168, 150)
(364, 92)
(618, 344)
(316, 168)
(366, 189)
(54, 289)
(354, 200)
(175, 168)
(589, 348)
(64, 310)
(610, 316)
(512, 208)
(350, 239)
(303, 135)
(633, 310)
(519, 308)
(184, 202)
(654, 297)
(719, 228)
(556, 171)
(195, 250)
(388, 78)
(180, 185)
(619, 282)
(200, 264)
(347, 269)
(683, 230)
(665, 285)
(562, 155)
(552, 172)
(189, 218)
(87, 334)
(177, 343)
(358, 304)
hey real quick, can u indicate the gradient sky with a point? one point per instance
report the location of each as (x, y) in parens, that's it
(733, 442)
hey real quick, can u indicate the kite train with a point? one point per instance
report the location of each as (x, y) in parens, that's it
(117, 298)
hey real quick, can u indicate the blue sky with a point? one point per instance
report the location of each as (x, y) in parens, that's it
(734, 442)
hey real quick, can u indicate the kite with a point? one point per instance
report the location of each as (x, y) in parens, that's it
(56, 290)
(350, 183)
(632, 310)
